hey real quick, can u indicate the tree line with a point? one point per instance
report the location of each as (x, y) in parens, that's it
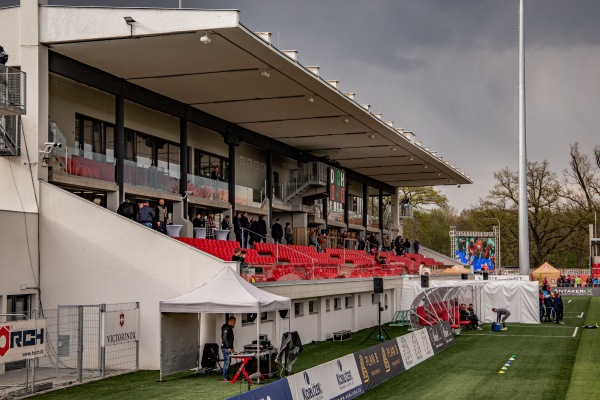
(561, 207)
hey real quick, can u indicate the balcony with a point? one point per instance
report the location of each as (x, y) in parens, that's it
(208, 188)
(12, 91)
(152, 177)
(84, 164)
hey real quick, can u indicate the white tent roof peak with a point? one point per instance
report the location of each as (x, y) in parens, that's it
(226, 292)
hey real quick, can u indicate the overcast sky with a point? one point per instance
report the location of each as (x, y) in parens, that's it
(447, 70)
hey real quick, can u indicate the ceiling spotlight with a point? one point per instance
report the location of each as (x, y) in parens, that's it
(206, 38)
(310, 99)
(439, 174)
(371, 135)
(393, 148)
(411, 158)
(129, 20)
(425, 166)
(458, 186)
(265, 72)
(345, 120)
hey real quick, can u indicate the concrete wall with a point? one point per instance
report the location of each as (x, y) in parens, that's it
(91, 256)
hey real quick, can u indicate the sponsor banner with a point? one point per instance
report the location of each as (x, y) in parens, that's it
(278, 390)
(415, 348)
(379, 363)
(423, 339)
(22, 340)
(440, 336)
(579, 291)
(120, 327)
(336, 380)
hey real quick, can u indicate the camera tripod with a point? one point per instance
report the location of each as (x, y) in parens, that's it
(379, 328)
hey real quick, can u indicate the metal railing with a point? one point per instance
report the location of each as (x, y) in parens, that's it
(10, 135)
(313, 173)
(73, 351)
(85, 164)
(12, 90)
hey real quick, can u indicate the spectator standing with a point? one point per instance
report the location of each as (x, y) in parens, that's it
(578, 281)
(261, 226)
(245, 228)
(289, 233)
(237, 255)
(559, 308)
(3, 56)
(253, 229)
(145, 215)
(215, 174)
(198, 222)
(227, 338)
(312, 239)
(416, 246)
(548, 305)
(277, 231)
(162, 214)
(237, 228)
(126, 209)
(406, 246)
(210, 227)
(226, 225)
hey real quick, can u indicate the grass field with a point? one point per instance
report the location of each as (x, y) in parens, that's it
(551, 363)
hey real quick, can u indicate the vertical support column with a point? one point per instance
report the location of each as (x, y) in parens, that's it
(102, 358)
(232, 162)
(269, 187)
(120, 146)
(380, 206)
(395, 214)
(346, 200)
(183, 158)
(365, 209)
(80, 344)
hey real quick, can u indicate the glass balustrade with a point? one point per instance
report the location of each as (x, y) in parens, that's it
(208, 188)
(152, 177)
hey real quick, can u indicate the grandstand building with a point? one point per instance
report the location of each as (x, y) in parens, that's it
(145, 103)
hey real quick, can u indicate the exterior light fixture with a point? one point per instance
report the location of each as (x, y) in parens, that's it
(393, 148)
(371, 135)
(206, 38)
(345, 120)
(265, 72)
(310, 99)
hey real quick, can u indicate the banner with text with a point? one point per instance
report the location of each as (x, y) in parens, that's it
(415, 348)
(379, 363)
(336, 380)
(120, 327)
(22, 340)
(440, 336)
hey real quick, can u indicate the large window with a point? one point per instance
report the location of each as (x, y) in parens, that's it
(95, 136)
(204, 163)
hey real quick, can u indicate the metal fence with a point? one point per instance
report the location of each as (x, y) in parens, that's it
(12, 90)
(74, 351)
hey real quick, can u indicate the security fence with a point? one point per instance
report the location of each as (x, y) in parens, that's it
(76, 342)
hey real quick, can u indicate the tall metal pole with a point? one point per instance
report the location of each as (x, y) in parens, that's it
(523, 206)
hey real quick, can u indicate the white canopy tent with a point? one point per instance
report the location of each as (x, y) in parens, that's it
(226, 292)
(519, 297)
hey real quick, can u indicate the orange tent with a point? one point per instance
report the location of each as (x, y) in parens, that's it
(546, 271)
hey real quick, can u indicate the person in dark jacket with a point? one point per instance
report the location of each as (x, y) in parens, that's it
(261, 226)
(126, 209)
(162, 215)
(198, 222)
(145, 215)
(227, 338)
(501, 316)
(559, 308)
(237, 228)
(277, 231)
(246, 226)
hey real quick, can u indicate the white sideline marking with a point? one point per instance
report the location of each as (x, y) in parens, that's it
(575, 333)
(541, 325)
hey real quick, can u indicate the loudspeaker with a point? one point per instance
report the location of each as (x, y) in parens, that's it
(377, 285)
(210, 355)
(464, 276)
(424, 281)
(486, 276)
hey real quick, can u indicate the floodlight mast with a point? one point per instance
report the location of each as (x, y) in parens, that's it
(523, 206)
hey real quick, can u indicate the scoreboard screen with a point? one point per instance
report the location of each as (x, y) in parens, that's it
(337, 185)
